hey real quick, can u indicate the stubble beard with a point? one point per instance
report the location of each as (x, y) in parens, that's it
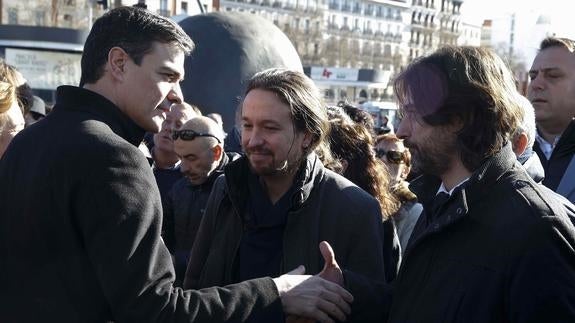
(435, 158)
(278, 169)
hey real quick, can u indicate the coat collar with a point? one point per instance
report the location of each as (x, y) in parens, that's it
(311, 171)
(479, 184)
(73, 98)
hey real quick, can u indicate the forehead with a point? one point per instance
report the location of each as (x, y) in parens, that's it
(422, 89)
(554, 57)
(261, 106)
(178, 111)
(186, 147)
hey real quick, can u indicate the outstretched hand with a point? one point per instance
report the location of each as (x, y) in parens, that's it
(315, 298)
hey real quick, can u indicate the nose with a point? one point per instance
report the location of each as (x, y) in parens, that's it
(252, 138)
(175, 95)
(403, 130)
(537, 83)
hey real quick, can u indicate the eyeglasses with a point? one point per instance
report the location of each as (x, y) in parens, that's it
(393, 156)
(188, 135)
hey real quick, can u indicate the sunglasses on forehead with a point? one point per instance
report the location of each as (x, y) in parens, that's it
(188, 135)
(393, 156)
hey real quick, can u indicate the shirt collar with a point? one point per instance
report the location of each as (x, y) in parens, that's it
(545, 146)
(443, 189)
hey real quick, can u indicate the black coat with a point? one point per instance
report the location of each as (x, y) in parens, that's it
(80, 223)
(563, 156)
(502, 250)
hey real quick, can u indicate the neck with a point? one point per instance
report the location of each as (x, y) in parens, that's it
(455, 175)
(277, 186)
(164, 159)
(105, 88)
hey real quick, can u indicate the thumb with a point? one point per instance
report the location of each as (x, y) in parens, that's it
(300, 270)
(328, 254)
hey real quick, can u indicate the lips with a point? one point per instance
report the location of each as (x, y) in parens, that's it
(538, 100)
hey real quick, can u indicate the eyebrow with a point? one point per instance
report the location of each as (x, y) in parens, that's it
(546, 69)
(172, 71)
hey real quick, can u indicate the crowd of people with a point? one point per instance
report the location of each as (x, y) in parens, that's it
(125, 203)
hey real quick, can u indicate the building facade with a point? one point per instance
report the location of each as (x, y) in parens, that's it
(433, 23)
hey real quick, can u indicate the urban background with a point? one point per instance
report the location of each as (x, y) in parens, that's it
(350, 48)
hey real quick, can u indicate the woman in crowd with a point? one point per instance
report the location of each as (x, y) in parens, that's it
(11, 117)
(397, 158)
(351, 143)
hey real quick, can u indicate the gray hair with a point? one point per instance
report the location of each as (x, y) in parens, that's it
(527, 124)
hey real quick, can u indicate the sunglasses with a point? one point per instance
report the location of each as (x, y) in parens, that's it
(188, 135)
(393, 156)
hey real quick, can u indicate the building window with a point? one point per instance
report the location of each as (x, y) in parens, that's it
(184, 7)
(40, 18)
(12, 16)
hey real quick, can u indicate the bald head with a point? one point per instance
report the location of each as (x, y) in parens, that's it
(201, 154)
(187, 110)
(205, 125)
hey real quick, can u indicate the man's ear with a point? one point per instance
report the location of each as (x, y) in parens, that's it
(218, 150)
(520, 144)
(307, 138)
(117, 60)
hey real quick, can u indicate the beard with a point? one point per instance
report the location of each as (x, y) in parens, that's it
(276, 166)
(434, 156)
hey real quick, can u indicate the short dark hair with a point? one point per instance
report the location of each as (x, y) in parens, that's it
(468, 85)
(132, 29)
(298, 92)
(566, 43)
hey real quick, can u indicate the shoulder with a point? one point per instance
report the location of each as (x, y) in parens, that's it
(344, 193)
(530, 206)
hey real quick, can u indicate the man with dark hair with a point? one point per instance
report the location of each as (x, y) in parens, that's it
(81, 215)
(491, 244)
(552, 93)
(275, 204)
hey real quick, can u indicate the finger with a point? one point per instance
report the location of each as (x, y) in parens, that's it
(328, 254)
(300, 270)
(331, 309)
(322, 317)
(338, 290)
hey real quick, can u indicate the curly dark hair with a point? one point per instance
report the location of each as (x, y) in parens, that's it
(352, 142)
(468, 86)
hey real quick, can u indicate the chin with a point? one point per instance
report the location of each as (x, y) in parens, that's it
(153, 126)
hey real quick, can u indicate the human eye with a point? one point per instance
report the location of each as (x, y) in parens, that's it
(170, 77)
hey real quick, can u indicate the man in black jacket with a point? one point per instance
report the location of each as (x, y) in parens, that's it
(552, 93)
(199, 145)
(499, 248)
(80, 216)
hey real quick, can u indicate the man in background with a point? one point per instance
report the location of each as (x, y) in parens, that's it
(552, 93)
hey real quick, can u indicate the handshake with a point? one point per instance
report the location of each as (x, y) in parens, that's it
(320, 298)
